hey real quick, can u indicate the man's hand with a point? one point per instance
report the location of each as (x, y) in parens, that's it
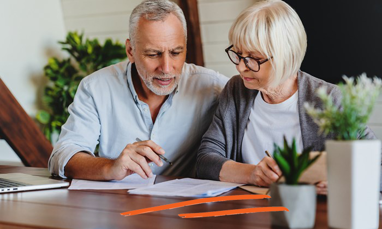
(265, 173)
(135, 158)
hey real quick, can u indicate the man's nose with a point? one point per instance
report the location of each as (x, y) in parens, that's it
(166, 64)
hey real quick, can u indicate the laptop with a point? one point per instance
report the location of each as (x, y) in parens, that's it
(15, 182)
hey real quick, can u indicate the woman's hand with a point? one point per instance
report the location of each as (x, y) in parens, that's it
(262, 174)
(322, 188)
(265, 173)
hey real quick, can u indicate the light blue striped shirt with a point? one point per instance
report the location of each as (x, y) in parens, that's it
(106, 110)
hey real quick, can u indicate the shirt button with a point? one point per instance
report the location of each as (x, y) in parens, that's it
(144, 109)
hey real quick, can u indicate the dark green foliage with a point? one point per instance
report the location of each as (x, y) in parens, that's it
(291, 163)
(86, 57)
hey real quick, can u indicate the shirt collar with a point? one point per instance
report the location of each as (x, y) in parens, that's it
(130, 82)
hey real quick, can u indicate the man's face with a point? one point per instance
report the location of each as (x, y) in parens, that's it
(159, 53)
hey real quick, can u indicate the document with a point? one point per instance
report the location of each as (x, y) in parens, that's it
(187, 187)
(129, 182)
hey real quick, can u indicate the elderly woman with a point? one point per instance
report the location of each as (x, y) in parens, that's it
(265, 101)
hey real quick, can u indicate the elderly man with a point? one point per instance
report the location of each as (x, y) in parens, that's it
(154, 104)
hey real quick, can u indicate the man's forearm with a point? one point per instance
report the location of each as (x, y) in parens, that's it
(85, 166)
(236, 172)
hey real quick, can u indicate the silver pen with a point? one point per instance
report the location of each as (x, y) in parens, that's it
(161, 156)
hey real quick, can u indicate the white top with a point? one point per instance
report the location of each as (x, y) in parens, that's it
(267, 124)
(107, 110)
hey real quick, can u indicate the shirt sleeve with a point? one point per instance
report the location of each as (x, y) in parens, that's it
(220, 82)
(212, 151)
(80, 133)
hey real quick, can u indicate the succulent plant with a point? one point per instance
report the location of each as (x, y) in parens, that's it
(291, 163)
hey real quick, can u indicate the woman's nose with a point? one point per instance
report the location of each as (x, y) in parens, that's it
(241, 67)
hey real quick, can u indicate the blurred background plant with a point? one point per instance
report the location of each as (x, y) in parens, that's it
(348, 121)
(85, 57)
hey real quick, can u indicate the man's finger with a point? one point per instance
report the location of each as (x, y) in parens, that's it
(141, 164)
(147, 152)
(135, 168)
(156, 148)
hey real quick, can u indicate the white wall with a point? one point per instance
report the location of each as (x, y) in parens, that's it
(109, 19)
(216, 18)
(30, 30)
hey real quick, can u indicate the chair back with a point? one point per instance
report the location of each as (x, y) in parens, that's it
(21, 133)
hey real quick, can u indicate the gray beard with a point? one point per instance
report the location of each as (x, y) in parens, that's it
(161, 90)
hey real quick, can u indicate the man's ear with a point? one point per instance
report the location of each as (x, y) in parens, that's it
(129, 51)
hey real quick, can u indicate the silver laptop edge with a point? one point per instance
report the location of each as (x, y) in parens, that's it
(31, 182)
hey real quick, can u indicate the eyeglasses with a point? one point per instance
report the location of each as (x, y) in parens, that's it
(251, 63)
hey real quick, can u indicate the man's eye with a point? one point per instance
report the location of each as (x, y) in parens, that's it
(153, 55)
(175, 53)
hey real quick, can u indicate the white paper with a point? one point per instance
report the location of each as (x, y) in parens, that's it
(187, 187)
(129, 182)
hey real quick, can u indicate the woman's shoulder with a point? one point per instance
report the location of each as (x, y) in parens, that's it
(235, 83)
(309, 84)
(236, 92)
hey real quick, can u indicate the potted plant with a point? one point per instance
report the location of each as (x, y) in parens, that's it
(299, 198)
(353, 162)
(86, 57)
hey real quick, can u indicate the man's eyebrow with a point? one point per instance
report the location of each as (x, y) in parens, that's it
(177, 49)
(152, 50)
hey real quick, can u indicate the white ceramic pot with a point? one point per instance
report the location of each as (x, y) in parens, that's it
(353, 183)
(301, 202)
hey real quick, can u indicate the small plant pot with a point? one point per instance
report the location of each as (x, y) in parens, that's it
(301, 202)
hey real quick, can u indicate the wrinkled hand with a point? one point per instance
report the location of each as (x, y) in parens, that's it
(135, 158)
(322, 188)
(266, 172)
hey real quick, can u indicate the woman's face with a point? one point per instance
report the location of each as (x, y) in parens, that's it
(255, 80)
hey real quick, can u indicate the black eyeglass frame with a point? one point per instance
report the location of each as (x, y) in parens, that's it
(245, 59)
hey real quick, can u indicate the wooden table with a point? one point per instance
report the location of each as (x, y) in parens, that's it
(61, 208)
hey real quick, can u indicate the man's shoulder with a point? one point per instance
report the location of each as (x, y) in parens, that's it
(107, 75)
(195, 72)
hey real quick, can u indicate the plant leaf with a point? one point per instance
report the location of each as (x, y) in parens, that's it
(43, 117)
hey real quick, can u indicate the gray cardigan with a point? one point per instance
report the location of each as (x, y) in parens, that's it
(223, 139)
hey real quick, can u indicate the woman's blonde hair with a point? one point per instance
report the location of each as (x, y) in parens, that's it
(272, 28)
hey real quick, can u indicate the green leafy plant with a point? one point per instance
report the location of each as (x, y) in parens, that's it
(348, 121)
(85, 57)
(291, 163)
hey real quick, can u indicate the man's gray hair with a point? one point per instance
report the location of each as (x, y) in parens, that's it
(154, 10)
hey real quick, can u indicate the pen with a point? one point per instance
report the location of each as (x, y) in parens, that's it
(267, 153)
(161, 156)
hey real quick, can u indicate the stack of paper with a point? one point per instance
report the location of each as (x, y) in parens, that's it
(129, 182)
(187, 187)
